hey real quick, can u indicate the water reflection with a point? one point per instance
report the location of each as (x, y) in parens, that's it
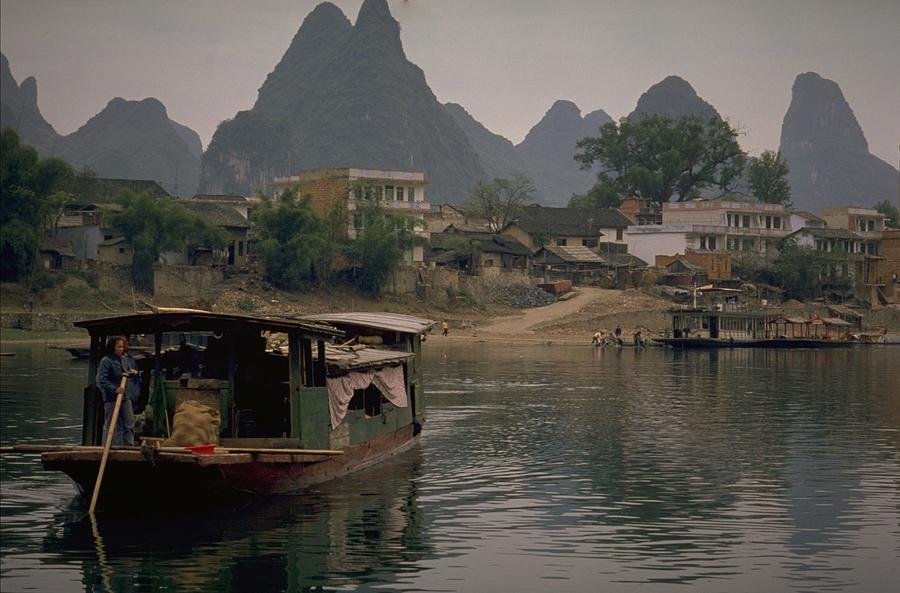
(564, 469)
(366, 528)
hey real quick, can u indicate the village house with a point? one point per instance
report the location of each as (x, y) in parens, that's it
(442, 216)
(487, 254)
(56, 255)
(740, 228)
(641, 211)
(599, 229)
(867, 223)
(715, 265)
(236, 227)
(568, 262)
(890, 251)
(83, 224)
(849, 267)
(403, 192)
(243, 205)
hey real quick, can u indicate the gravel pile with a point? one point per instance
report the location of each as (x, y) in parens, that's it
(521, 296)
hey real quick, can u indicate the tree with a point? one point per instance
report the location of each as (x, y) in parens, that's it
(798, 270)
(292, 241)
(768, 178)
(500, 200)
(661, 158)
(28, 198)
(890, 211)
(382, 239)
(153, 225)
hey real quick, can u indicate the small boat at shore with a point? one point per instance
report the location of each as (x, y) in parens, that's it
(343, 392)
(703, 328)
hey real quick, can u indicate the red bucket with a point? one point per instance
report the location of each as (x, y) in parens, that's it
(201, 449)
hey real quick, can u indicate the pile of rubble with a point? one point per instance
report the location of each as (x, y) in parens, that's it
(521, 296)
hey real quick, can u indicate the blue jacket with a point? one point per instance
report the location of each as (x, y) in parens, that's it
(109, 374)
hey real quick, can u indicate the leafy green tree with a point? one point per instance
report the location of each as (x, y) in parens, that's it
(799, 270)
(500, 200)
(382, 239)
(28, 198)
(891, 212)
(768, 178)
(153, 226)
(661, 158)
(293, 241)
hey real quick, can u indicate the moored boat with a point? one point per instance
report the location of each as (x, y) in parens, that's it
(288, 417)
(704, 328)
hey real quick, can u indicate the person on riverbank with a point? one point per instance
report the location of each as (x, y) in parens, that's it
(445, 328)
(109, 375)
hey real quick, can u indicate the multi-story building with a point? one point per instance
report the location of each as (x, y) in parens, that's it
(867, 223)
(402, 192)
(741, 228)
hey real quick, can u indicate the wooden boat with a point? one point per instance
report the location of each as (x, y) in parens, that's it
(703, 328)
(283, 425)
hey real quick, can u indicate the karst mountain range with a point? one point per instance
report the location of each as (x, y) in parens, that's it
(345, 94)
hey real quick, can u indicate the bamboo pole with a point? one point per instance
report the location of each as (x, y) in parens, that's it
(110, 433)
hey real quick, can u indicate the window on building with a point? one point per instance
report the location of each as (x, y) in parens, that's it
(776, 222)
(711, 242)
(240, 248)
(400, 194)
(561, 242)
(589, 242)
(618, 234)
(107, 237)
(411, 194)
(732, 244)
(702, 242)
(388, 193)
(747, 221)
(768, 222)
(872, 225)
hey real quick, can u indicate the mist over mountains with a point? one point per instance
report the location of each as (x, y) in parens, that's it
(345, 94)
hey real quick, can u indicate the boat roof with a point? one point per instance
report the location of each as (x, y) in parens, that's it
(353, 357)
(398, 322)
(181, 320)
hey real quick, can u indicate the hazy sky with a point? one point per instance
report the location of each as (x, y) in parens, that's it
(505, 61)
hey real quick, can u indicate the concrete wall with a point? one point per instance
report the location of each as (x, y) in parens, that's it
(648, 245)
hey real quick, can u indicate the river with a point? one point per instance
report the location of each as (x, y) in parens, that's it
(540, 469)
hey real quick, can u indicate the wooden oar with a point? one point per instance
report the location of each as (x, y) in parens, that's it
(111, 431)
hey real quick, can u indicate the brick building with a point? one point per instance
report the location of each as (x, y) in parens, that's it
(403, 192)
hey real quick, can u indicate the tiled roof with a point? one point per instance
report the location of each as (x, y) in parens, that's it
(571, 221)
(217, 214)
(60, 247)
(489, 242)
(103, 189)
(574, 253)
(807, 215)
(624, 259)
(220, 198)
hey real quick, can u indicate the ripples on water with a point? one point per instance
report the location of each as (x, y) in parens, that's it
(541, 469)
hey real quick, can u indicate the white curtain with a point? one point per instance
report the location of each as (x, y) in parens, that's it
(389, 380)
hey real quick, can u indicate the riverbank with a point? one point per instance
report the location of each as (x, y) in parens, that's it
(570, 321)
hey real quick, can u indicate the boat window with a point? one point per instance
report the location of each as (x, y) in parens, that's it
(369, 399)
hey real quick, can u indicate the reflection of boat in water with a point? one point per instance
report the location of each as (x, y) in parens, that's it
(287, 418)
(702, 328)
(361, 528)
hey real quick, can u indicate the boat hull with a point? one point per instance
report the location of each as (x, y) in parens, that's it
(182, 478)
(701, 343)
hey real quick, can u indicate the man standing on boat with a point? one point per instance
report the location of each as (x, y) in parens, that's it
(113, 366)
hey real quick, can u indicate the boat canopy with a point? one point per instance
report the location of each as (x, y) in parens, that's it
(396, 322)
(188, 320)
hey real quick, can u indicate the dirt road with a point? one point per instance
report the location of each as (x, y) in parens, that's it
(531, 318)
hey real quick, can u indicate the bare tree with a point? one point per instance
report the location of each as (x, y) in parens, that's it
(500, 200)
